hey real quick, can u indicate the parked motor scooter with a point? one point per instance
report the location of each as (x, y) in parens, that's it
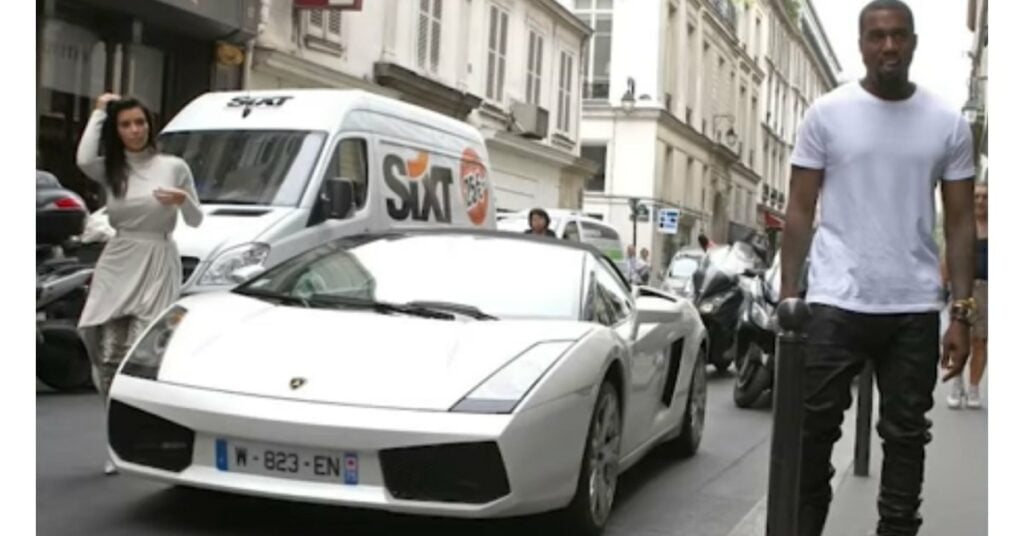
(756, 337)
(63, 271)
(720, 297)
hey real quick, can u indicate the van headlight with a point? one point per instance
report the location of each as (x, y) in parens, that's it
(502, 391)
(147, 355)
(219, 272)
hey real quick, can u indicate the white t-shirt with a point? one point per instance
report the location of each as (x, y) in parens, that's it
(873, 251)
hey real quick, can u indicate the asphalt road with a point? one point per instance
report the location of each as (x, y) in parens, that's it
(706, 495)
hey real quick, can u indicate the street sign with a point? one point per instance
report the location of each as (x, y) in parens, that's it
(642, 213)
(668, 220)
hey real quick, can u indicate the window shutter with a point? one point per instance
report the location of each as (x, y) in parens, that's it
(435, 37)
(333, 32)
(422, 32)
(316, 21)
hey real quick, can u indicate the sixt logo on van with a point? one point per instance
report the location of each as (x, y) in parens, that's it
(411, 203)
(258, 102)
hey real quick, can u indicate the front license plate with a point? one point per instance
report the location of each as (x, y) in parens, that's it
(287, 462)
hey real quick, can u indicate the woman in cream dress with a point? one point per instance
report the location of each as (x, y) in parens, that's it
(139, 273)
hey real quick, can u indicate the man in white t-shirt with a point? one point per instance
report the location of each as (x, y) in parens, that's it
(874, 151)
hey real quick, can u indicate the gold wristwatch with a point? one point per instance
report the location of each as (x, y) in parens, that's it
(963, 310)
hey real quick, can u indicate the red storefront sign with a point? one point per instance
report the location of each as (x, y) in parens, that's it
(341, 5)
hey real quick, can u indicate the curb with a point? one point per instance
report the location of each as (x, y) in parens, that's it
(755, 522)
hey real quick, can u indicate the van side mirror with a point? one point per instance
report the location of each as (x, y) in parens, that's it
(337, 197)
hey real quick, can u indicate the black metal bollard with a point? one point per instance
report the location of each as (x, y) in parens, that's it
(865, 407)
(787, 422)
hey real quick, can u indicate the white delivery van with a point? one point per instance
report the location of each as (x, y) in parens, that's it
(575, 226)
(279, 172)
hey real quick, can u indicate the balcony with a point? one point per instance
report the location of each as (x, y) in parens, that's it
(726, 11)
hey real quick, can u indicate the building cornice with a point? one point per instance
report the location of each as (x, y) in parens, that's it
(562, 13)
(288, 65)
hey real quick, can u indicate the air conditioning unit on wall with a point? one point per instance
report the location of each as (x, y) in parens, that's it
(532, 119)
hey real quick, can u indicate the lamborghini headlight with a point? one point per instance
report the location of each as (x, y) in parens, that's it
(147, 355)
(503, 390)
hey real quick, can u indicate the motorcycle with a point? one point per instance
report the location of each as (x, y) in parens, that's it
(63, 272)
(720, 297)
(755, 345)
(757, 336)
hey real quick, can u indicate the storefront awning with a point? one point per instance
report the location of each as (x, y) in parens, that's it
(771, 221)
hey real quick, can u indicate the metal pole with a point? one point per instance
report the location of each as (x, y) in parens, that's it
(634, 205)
(865, 407)
(787, 421)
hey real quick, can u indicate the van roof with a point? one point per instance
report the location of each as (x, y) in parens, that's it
(300, 109)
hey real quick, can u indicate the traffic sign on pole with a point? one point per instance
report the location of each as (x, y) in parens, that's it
(668, 220)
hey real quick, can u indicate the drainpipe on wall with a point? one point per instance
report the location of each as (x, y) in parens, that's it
(250, 46)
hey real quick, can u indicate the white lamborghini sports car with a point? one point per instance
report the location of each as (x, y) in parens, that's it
(443, 372)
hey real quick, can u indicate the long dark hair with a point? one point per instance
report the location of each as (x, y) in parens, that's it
(113, 147)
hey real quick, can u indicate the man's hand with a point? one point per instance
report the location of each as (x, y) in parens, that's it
(956, 346)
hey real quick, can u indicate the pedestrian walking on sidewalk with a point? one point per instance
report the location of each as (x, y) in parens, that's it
(139, 273)
(971, 396)
(873, 151)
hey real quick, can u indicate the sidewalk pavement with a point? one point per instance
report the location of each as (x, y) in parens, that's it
(955, 480)
(956, 477)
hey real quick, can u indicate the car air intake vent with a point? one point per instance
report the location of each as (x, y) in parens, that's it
(145, 439)
(472, 473)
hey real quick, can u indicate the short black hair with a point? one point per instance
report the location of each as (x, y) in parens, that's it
(542, 213)
(876, 5)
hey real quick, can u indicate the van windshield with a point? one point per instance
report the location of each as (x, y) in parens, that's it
(247, 167)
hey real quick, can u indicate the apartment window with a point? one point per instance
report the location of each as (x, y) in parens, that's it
(565, 92)
(534, 67)
(428, 45)
(757, 38)
(670, 58)
(599, 155)
(688, 182)
(691, 72)
(321, 29)
(497, 45)
(597, 66)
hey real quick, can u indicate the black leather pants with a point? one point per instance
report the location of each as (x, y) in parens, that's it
(905, 351)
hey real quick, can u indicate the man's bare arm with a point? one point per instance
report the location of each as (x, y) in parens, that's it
(958, 206)
(804, 187)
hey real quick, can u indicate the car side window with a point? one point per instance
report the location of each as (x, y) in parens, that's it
(349, 162)
(615, 296)
(572, 231)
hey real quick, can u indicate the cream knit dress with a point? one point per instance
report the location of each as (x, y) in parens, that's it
(139, 273)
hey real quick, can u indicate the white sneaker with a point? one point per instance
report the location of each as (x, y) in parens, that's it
(973, 397)
(955, 400)
(109, 468)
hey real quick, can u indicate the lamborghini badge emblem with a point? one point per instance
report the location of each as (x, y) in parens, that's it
(296, 383)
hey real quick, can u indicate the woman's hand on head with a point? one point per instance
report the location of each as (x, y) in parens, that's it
(102, 100)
